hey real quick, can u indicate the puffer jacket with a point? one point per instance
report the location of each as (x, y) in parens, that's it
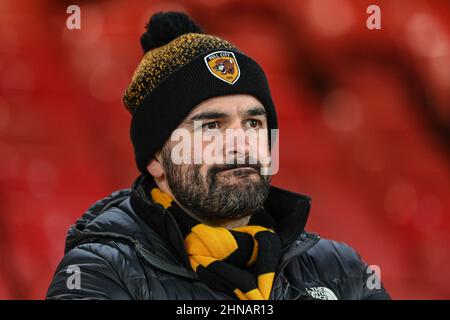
(127, 247)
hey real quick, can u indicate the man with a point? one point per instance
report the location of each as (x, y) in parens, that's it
(196, 225)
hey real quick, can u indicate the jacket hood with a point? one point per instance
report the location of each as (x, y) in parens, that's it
(93, 216)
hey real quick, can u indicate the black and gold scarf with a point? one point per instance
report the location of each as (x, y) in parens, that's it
(240, 262)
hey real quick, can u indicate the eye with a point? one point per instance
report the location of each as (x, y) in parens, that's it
(211, 125)
(253, 123)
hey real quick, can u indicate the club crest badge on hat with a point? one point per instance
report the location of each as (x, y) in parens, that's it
(223, 65)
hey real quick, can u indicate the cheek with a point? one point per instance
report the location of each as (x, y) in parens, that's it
(203, 170)
(202, 149)
(190, 172)
(260, 147)
(263, 147)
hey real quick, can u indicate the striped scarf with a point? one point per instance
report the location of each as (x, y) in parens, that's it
(240, 262)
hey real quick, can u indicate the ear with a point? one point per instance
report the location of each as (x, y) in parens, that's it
(155, 168)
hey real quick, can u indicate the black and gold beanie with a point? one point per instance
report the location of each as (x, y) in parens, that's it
(182, 67)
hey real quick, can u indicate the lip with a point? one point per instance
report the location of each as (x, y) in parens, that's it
(242, 170)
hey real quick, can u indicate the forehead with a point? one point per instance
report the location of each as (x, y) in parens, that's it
(236, 103)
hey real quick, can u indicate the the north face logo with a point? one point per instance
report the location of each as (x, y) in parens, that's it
(321, 293)
(223, 65)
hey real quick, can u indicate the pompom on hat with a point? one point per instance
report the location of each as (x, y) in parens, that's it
(181, 67)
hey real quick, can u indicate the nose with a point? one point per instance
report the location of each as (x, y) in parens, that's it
(237, 144)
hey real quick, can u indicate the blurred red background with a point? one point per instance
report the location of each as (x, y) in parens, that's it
(364, 123)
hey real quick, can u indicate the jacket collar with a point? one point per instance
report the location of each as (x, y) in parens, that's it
(289, 210)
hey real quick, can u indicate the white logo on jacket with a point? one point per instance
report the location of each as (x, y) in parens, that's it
(322, 293)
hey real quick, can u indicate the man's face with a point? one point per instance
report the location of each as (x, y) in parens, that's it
(222, 188)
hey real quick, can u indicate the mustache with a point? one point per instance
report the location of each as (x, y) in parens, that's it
(249, 163)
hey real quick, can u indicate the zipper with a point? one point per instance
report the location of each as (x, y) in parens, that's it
(156, 262)
(312, 240)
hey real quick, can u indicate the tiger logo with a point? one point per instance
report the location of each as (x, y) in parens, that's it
(223, 65)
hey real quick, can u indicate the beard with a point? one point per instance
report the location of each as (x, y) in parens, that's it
(216, 196)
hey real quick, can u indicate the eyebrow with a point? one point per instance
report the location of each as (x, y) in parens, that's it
(209, 115)
(256, 111)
